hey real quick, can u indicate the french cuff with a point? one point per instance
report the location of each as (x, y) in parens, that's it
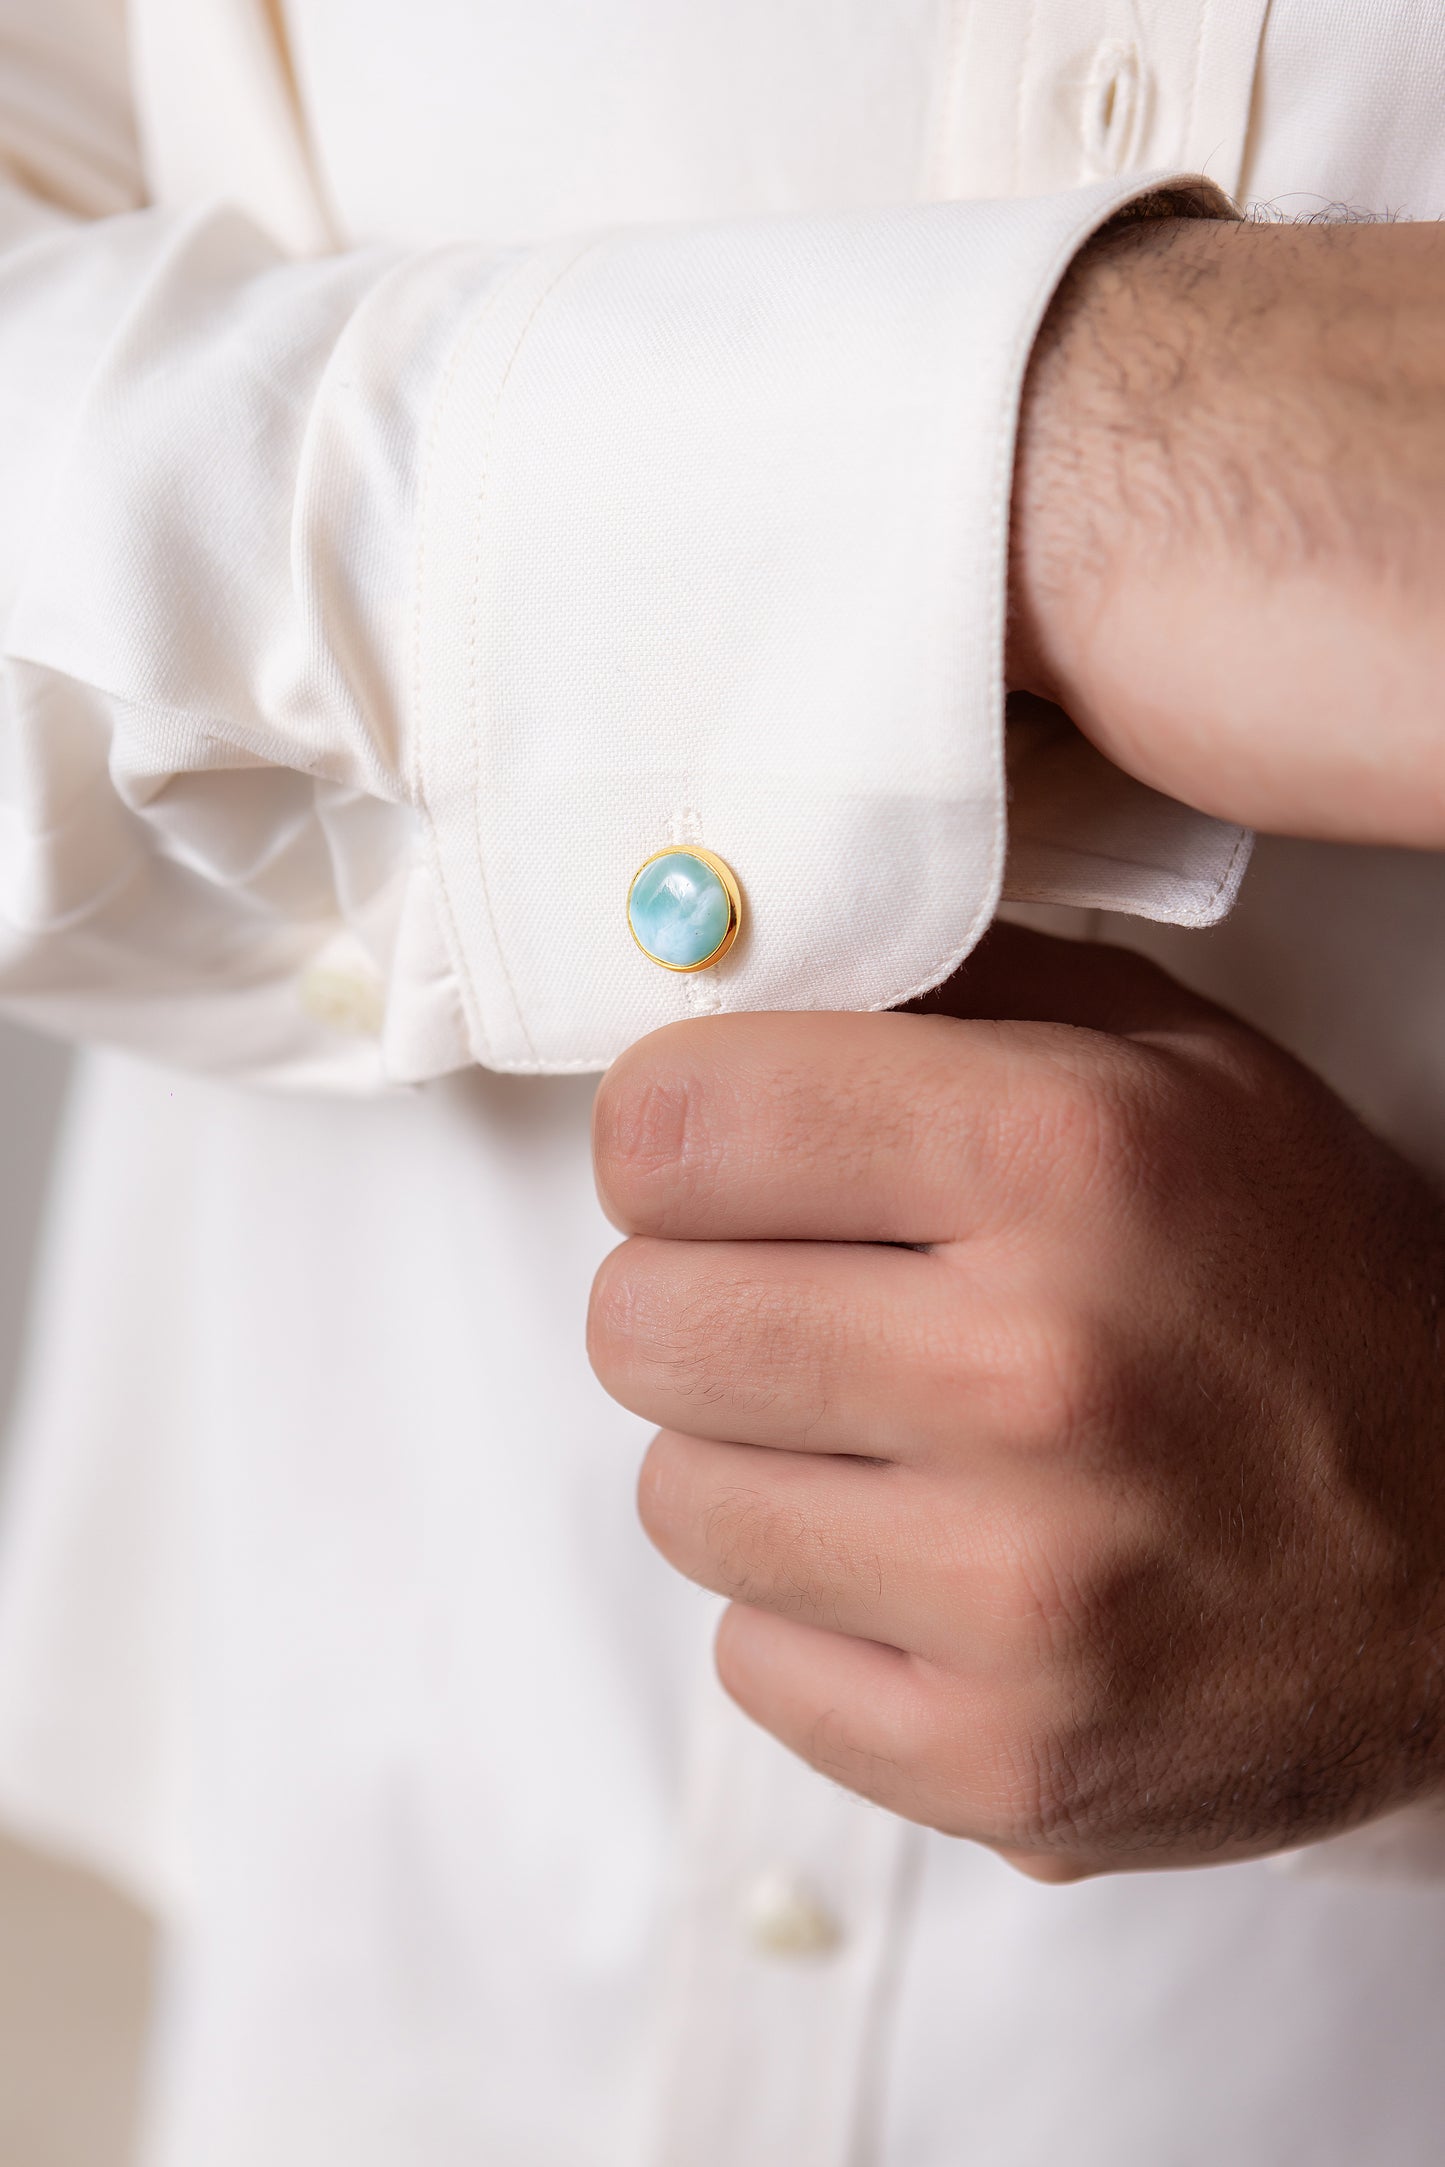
(1082, 832)
(714, 537)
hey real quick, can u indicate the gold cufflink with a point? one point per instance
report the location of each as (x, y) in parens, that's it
(684, 908)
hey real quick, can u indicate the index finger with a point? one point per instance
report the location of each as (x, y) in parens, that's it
(916, 1127)
(814, 1127)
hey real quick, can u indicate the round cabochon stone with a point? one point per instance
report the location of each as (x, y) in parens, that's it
(679, 910)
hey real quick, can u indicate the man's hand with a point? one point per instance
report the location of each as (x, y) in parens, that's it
(1229, 520)
(1059, 1400)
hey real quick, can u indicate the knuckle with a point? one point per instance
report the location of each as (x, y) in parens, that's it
(756, 1343)
(1022, 1769)
(948, 1758)
(1062, 1380)
(667, 1320)
(1075, 1379)
(945, 1760)
(787, 1557)
(1100, 1109)
(734, 1539)
(652, 1144)
(1048, 1867)
(767, 1551)
(1041, 1599)
(775, 1341)
(1028, 1584)
(728, 1538)
(1044, 1799)
(662, 1494)
(647, 1327)
(1091, 1125)
(752, 1544)
(837, 1746)
(933, 1749)
(1063, 1773)
(612, 1314)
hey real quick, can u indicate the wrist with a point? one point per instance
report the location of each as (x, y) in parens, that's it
(1229, 496)
(1111, 370)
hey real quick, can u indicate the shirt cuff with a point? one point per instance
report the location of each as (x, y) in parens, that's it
(713, 550)
(1084, 833)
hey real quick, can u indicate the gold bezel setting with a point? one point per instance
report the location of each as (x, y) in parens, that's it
(733, 893)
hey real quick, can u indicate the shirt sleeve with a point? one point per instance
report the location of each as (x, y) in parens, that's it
(366, 621)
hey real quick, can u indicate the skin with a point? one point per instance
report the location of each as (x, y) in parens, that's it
(1052, 1378)
(1229, 520)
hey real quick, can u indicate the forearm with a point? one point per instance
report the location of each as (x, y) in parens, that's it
(1229, 520)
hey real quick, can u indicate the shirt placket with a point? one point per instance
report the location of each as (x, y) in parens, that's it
(787, 1932)
(1049, 94)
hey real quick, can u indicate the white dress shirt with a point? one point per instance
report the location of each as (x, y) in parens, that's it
(452, 452)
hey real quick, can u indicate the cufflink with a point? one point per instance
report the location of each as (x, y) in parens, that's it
(684, 908)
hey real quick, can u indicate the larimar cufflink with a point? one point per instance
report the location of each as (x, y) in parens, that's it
(684, 908)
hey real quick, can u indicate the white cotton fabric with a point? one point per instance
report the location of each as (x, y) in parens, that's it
(451, 451)
(421, 592)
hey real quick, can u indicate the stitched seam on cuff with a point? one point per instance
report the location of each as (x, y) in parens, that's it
(416, 773)
(474, 612)
(416, 766)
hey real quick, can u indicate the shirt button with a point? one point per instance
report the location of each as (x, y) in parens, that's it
(782, 1916)
(340, 988)
(1112, 108)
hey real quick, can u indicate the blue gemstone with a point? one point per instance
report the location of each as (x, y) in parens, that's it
(679, 910)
